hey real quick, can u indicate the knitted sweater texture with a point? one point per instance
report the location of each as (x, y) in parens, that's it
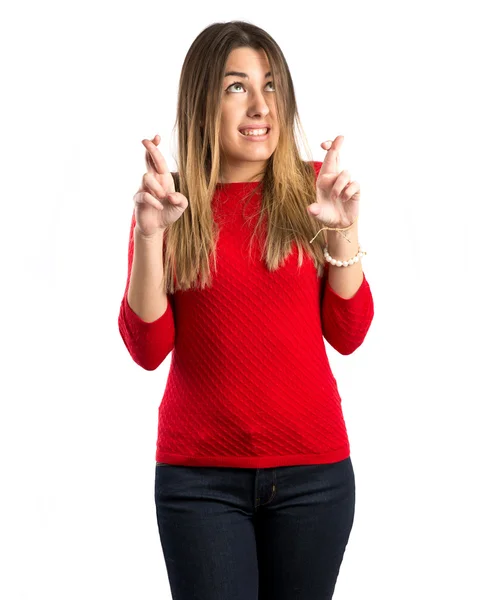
(249, 384)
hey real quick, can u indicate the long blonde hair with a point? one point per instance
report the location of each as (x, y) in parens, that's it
(288, 181)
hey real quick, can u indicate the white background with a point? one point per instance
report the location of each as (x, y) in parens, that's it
(83, 84)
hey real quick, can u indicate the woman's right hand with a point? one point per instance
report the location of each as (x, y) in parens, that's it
(157, 204)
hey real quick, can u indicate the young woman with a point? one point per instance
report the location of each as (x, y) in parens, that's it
(254, 484)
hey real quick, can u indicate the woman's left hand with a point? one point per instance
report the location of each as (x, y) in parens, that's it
(337, 197)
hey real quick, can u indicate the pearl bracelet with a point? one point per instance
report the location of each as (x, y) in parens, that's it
(343, 263)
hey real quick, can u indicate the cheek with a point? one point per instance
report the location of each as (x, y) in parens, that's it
(228, 128)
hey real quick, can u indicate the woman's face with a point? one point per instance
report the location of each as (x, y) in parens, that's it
(246, 101)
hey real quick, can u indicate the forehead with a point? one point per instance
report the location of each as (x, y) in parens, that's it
(240, 59)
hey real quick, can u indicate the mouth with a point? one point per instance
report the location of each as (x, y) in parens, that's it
(255, 137)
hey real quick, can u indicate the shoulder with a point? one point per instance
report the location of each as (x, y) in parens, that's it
(317, 166)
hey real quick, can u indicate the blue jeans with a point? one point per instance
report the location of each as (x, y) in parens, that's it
(254, 534)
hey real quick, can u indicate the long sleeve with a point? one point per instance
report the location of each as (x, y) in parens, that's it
(345, 321)
(147, 343)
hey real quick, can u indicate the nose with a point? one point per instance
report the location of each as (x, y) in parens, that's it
(258, 106)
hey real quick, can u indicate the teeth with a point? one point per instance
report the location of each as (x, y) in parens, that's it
(254, 131)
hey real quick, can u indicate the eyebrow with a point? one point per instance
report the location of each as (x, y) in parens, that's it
(239, 74)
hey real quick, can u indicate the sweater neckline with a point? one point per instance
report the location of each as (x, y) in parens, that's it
(236, 184)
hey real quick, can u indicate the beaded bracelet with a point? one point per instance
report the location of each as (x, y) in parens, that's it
(341, 263)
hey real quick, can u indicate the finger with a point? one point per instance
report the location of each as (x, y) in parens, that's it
(149, 161)
(342, 180)
(350, 192)
(146, 198)
(150, 184)
(331, 163)
(154, 159)
(156, 140)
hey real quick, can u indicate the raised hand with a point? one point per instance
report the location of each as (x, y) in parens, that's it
(337, 197)
(157, 204)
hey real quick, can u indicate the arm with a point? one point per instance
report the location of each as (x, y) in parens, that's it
(347, 306)
(145, 320)
(345, 320)
(345, 281)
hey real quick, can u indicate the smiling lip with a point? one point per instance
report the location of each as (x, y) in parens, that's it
(257, 126)
(255, 138)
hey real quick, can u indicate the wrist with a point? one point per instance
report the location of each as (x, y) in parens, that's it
(157, 235)
(343, 243)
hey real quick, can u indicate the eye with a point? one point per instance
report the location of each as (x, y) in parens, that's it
(241, 85)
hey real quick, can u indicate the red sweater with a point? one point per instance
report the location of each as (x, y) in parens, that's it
(249, 384)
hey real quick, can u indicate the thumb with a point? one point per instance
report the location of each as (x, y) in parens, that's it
(314, 209)
(178, 199)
